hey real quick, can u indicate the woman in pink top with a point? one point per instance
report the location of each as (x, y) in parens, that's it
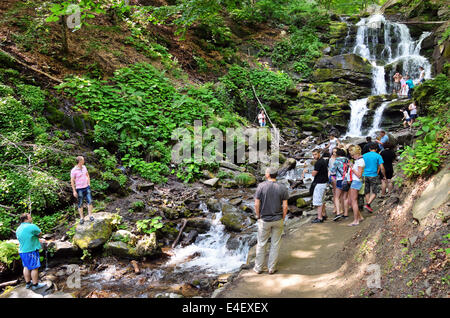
(80, 181)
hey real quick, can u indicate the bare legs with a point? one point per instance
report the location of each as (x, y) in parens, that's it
(80, 210)
(353, 194)
(386, 184)
(32, 275)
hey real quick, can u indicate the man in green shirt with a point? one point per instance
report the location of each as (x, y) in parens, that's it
(29, 245)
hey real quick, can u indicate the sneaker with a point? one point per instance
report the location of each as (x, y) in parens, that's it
(82, 221)
(38, 286)
(28, 285)
(368, 208)
(257, 271)
(272, 271)
(91, 219)
(317, 220)
(338, 217)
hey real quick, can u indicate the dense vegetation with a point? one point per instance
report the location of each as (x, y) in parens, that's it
(122, 119)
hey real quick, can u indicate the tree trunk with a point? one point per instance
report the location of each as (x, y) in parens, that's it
(65, 42)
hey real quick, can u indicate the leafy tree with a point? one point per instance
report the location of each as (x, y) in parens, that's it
(73, 16)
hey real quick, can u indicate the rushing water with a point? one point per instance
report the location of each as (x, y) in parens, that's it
(398, 52)
(213, 255)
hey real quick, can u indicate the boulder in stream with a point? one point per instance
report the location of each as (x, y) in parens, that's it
(96, 233)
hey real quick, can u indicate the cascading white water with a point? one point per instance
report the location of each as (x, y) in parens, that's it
(377, 118)
(358, 110)
(213, 255)
(399, 52)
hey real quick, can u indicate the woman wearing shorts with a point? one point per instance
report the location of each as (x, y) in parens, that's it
(355, 176)
(340, 196)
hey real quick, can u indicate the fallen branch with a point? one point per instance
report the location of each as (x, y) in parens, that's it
(11, 283)
(30, 67)
(179, 234)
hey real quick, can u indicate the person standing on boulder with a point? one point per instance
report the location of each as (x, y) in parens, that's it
(271, 207)
(29, 245)
(80, 181)
(334, 142)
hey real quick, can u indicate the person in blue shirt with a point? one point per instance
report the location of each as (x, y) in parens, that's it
(29, 245)
(384, 138)
(374, 163)
(410, 84)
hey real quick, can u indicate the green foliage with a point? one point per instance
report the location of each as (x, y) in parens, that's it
(444, 36)
(149, 226)
(15, 119)
(9, 252)
(48, 223)
(424, 157)
(65, 8)
(433, 96)
(137, 110)
(6, 224)
(302, 48)
(270, 86)
(71, 232)
(138, 205)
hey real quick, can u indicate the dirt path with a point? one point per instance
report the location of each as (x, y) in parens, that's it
(308, 266)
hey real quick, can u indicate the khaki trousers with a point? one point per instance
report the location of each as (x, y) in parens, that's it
(266, 230)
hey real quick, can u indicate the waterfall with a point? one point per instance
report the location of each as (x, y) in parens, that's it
(399, 52)
(377, 118)
(358, 110)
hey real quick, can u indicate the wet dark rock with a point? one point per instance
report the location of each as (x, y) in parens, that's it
(198, 224)
(211, 182)
(294, 195)
(236, 201)
(213, 205)
(144, 187)
(189, 238)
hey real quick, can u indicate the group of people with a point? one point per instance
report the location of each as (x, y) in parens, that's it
(404, 85)
(350, 171)
(347, 170)
(28, 233)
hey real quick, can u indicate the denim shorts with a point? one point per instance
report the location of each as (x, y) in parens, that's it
(84, 193)
(356, 185)
(339, 184)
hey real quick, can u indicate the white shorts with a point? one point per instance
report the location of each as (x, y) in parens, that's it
(319, 194)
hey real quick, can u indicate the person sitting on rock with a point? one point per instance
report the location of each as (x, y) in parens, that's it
(80, 181)
(29, 246)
